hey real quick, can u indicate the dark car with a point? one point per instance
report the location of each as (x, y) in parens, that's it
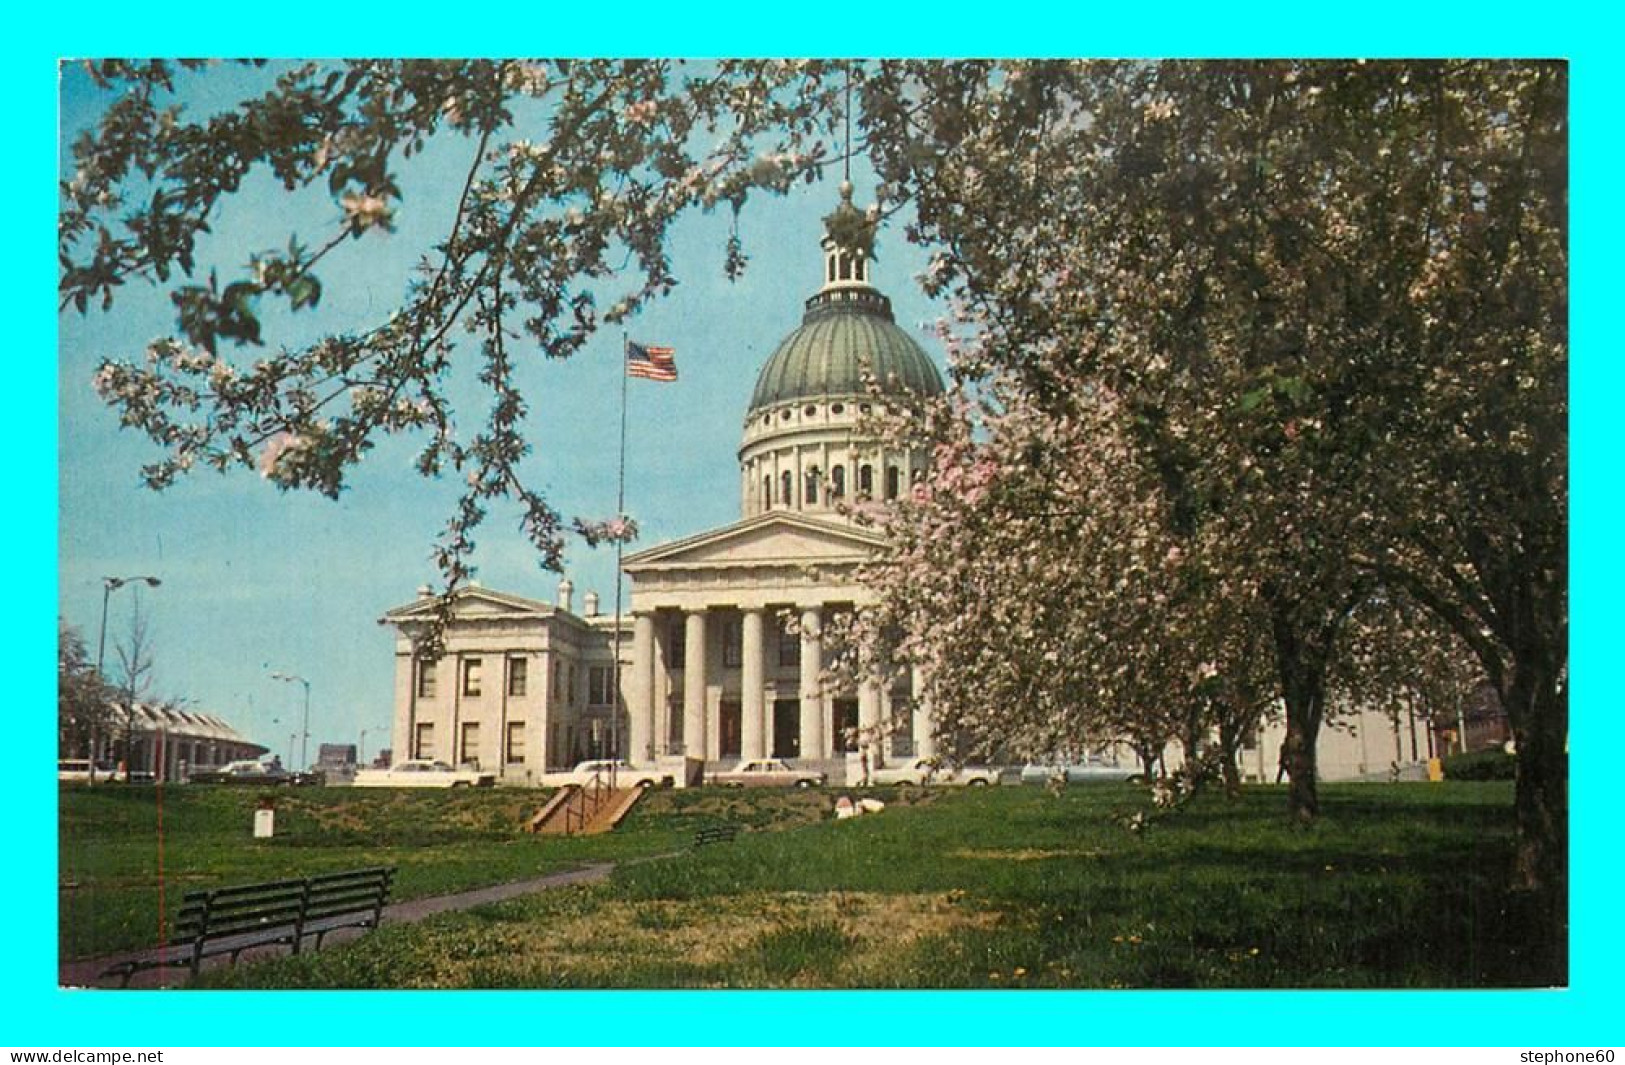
(249, 772)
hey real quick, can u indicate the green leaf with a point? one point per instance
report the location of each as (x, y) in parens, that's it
(305, 292)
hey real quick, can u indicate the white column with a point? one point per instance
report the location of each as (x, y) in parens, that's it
(925, 738)
(753, 729)
(694, 683)
(640, 706)
(812, 699)
(869, 718)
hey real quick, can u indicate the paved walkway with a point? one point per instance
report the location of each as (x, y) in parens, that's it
(86, 972)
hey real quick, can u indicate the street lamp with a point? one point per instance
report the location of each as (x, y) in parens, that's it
(361, 756)
(304, 742)
(109, 586)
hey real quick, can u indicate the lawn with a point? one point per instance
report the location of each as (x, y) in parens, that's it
(1397, 886)
(122, 848)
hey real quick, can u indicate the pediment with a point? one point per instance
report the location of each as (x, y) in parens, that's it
(474, 603)
(768, 540)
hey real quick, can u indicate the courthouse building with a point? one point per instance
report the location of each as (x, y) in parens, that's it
(722, 652)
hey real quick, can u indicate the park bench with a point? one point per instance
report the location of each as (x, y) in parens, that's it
(231, 920)
(721, 832)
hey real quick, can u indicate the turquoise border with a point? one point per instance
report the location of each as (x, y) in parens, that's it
(43, 1016)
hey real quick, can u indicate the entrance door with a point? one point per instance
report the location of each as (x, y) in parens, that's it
(729, 722)
(845, 713)
(786, 728)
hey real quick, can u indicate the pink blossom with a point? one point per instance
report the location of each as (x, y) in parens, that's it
(275, 448)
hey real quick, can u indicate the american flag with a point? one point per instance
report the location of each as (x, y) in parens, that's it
(649, 361)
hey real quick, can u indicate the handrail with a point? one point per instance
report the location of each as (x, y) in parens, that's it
(584, 805)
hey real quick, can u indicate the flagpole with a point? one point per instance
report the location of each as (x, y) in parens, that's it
(620, 542)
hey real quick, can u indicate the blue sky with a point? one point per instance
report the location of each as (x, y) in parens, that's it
(257, 580)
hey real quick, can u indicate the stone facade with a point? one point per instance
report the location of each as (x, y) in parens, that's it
(523, 686)
(721, 655)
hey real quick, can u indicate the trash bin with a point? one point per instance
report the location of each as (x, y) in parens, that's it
(265, 820)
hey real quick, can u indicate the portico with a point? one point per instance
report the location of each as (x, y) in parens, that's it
(728, 648)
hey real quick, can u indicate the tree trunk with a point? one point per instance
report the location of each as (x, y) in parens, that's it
(1229, 744)
(1302, 729)
(1538, 708)
(1301, 664)
(1148, 756)
(1192, 742)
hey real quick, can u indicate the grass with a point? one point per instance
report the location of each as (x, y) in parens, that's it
(113, 871)
(1396, 886)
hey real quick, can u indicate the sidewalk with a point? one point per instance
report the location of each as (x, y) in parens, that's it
(85, 973)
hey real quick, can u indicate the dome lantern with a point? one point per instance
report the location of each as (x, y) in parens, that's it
(849, 244)
(804, 445)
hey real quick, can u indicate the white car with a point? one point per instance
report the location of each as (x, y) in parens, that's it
(1095, 767)
(423, 773)
(626, 775)
(931, 771)
(766, 773)
(77, 770)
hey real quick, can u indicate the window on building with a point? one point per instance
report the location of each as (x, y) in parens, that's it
(837, 482)
(471, 676)
(600, 685)
(518, 671)
(787, 488)
(866, 480)
(789, 643)
(733, 642)
(767, 491)
(426, 678)
(423, 742)
(676, 644)
(902, 727)
(471, 743)
(894, 481)
(810, 491)
(569, 682)
(516, 743)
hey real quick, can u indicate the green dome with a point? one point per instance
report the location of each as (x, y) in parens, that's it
(845, 334)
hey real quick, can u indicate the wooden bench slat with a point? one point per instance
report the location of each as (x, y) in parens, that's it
(234, 919)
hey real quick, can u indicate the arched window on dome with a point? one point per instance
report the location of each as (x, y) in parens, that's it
(809, 492)
(894, 480)
(837, 482)
(866, 480)
(767, 491)
(787, 485)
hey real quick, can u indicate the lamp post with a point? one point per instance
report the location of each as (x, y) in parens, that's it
(361, 754)
(109, 586)
(304, 741)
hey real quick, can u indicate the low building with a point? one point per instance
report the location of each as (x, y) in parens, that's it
(166, 743)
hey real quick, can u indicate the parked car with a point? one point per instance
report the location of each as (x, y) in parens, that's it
(248, 771)
(932, 771)
(626, 775)
(1095, 767)
(77, 771)
(423, 773)
(767, 773)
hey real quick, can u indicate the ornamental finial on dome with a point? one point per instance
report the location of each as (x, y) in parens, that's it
(849, 243)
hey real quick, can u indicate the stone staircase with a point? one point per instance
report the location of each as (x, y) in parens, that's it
(578, 810)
